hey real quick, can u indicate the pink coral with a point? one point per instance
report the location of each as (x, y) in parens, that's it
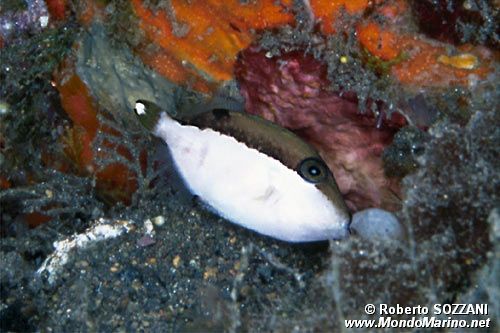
(292, 90)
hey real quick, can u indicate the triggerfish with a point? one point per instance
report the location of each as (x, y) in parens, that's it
(253, 173)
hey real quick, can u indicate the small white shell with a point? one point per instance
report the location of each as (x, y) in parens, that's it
(376, 223)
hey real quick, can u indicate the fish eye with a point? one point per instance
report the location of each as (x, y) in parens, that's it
(313, 170)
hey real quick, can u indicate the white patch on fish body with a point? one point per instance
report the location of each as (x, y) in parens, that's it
(248, 187)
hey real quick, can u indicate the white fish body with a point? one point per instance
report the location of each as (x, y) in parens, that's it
(248, 187)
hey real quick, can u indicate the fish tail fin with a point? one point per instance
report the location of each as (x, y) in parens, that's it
(148, 114)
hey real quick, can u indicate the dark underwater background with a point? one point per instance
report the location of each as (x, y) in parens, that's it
(399, 97)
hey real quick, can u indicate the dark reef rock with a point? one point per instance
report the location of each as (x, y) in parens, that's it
(459, 21)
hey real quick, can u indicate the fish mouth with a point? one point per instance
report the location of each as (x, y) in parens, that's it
(349, 229)
(345, 233)
(345, 230)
